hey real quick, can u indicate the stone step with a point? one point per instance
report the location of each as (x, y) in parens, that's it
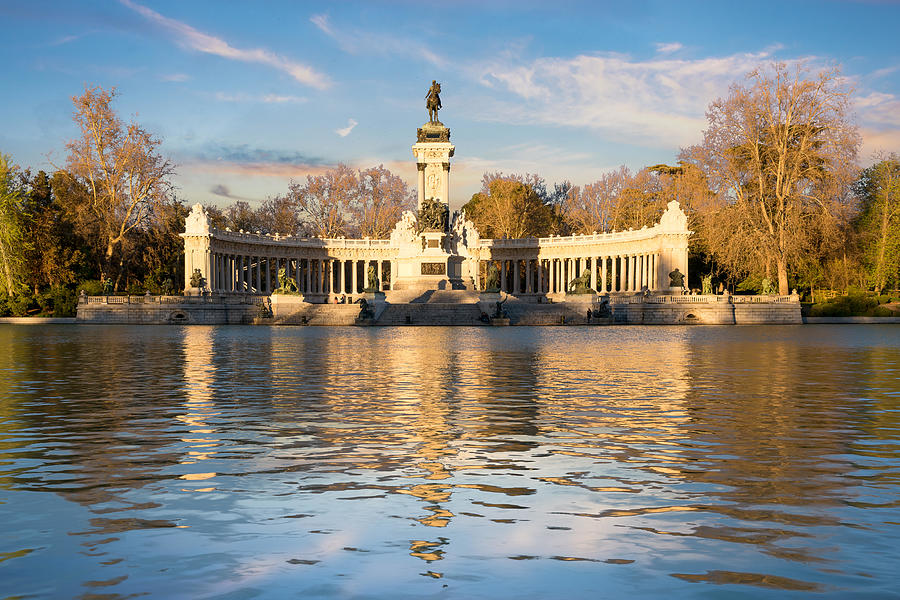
(432, 297)
(321, 314)
(430, 314)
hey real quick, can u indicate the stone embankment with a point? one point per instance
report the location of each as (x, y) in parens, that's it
(446, 307)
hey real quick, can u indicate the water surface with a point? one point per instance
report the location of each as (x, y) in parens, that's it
(566, 462)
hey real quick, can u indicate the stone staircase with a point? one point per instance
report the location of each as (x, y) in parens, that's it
(521, 313)
(431, 297)
(430, 313)
(320, 314)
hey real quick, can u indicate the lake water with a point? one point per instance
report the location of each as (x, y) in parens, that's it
(566, 462)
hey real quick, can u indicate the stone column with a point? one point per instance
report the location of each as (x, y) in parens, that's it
(320, 276)
(593, 267)
(305, 277)
(354, 282)
(617, 278)
(603, 275)
(421, 182)
(516, 278)
(380, 275)
(646, 270)
(503, 275)
(393, 273)
(634, 275)
(445, 184)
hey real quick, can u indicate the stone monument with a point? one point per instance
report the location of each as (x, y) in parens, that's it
(425, 261)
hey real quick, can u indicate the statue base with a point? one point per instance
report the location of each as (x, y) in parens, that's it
(433, 132)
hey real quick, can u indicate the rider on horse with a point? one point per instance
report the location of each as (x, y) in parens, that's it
(433, 101)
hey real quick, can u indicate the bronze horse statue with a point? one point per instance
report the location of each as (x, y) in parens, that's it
(433, 102)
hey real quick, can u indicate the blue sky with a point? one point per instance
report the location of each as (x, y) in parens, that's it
(248, 95)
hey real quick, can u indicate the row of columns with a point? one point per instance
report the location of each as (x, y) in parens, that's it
(259, 274)
(615, 273)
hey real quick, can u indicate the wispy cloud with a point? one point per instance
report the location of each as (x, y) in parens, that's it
(66, 39)
(188, 37)
(266, 98)
(345, 131)
(668, 48)
(175, 77)
(648, 102)
(357, 41)
(224, 191)
(247, 154)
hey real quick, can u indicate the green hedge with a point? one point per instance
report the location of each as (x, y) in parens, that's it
(853, 306)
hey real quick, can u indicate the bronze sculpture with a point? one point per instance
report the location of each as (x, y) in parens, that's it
(433, 102)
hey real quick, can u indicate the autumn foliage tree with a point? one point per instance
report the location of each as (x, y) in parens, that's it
(513, 206)
(13, 242)
(777, 152)
(342, 202)
(878, 189)
(120, 167)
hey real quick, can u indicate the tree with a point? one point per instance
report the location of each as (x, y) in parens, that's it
(593, 208)
(13, 243)
(777, 151)
(512, 207)
(240, 217)
(381, 198)
(324, 201)
(278, 215)
(878, 189)
(126, 178)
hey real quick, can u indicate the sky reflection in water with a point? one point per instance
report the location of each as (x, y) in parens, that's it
(439, 462)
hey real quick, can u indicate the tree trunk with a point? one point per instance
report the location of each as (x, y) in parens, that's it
(782, 276)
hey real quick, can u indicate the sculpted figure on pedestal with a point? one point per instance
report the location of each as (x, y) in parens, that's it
(433, 102)
(581, 284)
(676, 278)
(371, 279)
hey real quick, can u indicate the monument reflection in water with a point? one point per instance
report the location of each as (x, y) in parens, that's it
(465, 463)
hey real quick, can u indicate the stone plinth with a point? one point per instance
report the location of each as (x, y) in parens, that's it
(432, 152)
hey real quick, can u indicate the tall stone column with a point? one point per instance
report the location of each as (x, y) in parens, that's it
(593, 267)
(380, 274)
(503, 276)
(421, 183)
(445, 183)
(634, 276)
(603, 275)
(354, 281)
(516, 277)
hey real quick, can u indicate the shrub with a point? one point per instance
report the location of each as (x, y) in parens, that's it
(65, 301)
(881, 311)
(829, 309)
(884, 299)
(91, 287)
(21, 306)
(136, 289)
